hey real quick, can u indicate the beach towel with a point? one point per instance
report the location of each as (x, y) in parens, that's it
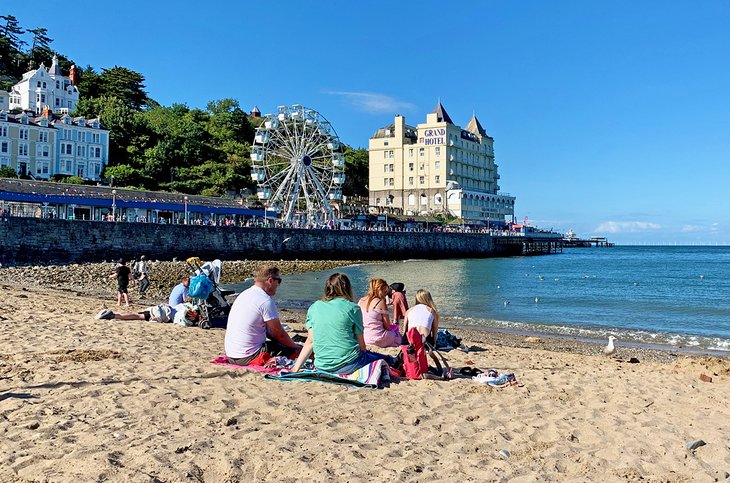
(369, 376)
(281, 364)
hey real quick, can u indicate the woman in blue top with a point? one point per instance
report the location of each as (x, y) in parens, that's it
(334, 326)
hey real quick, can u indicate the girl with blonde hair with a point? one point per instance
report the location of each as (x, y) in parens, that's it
(375, 318)
(423, 316)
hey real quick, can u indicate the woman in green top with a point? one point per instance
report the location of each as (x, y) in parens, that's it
(334, 326)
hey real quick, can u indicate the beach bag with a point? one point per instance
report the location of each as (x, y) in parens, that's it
(161, 313)
(415, 364)
(200, 287)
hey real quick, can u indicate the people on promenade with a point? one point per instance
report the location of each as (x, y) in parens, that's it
(121, 273)
(398, 301)
(423, 316)
(253, 318)
(179, 293)
(141, 273)
(335, 331)
(375, 318)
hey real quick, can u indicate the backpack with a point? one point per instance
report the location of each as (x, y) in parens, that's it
(415, 364)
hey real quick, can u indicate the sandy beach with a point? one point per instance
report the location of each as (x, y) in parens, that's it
(89, 400)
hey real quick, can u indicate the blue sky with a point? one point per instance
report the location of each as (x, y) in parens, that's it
(609, 118)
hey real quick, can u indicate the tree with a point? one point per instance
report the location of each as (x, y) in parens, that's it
(88, 84)
(7, 172)
(357, 162)
(11, 45)
(41, 47)
(124, 84)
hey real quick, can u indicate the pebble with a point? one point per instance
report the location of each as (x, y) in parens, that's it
(231, 421)
(692, 445)
(118, 436)
(505, 453)
(34, 425)
(415, 421)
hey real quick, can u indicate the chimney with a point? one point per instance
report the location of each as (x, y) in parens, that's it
(73, 75)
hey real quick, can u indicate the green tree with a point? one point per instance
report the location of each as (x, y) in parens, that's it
(356, 170)
(41, 46)
(88, 84)
(11, 55)
(7, 172)
(124, 84)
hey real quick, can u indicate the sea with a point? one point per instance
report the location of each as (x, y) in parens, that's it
(656, 296)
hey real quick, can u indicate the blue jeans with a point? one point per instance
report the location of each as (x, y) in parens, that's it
(365, 358)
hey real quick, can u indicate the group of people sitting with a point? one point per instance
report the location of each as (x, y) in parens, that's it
(338, 328)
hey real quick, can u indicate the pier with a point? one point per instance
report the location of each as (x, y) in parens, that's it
(594, 241)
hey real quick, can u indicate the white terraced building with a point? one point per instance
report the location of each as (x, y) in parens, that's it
(46, 87)
(38, 136)
(437, 167)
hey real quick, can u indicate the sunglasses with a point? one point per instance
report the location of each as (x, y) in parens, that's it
(278, 279)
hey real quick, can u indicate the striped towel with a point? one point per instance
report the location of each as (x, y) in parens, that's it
(367, 376)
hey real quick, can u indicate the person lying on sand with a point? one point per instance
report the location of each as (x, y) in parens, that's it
(184, 314)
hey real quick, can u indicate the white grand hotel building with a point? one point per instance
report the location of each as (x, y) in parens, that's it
(38, 136)
(437, 167)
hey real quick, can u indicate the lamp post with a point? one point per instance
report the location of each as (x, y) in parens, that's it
(114, 205)
(185, 199)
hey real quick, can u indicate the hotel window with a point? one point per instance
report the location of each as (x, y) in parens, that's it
(58, 102)
(43, 151)
(43, 137)
(58, 85)
(438, 151)
(410, 180)
(67, 148)
(385, 143)
(24, 133)
(4, 147)
(81, 151)
(391, 181)
(95, 153)
(66, 134)
(438, 179)
(66, 165)
(421, 166)
(410, 153)
(95, 138)
(437, 164)
(97, 169)
(411, 199)
(421, 151)
(410, 166)
(22, 149)
(82, 136)
(421, 180)
(4, 131)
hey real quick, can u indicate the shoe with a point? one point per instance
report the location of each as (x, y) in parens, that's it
(105, 314)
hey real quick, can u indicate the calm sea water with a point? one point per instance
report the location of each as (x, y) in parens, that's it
(678, 296)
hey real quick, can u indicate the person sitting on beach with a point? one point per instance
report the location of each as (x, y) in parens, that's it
(121, 273)
(179, 293)
(398, 301)
(423, 316)
(375, 316)
(253, 317)
(335, 331)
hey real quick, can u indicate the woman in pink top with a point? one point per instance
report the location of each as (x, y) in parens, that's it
(375, 319)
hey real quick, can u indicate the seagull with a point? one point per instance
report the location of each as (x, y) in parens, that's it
(541, 277)
(610, 348)
(537, 300)
(498, 286)
(286, 240)
(702, 276)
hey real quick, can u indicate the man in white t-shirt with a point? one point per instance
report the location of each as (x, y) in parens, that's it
(253, 317)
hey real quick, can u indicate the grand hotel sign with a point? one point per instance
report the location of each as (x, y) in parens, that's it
(433, 136)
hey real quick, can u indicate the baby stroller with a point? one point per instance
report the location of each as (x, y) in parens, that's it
(205, 290)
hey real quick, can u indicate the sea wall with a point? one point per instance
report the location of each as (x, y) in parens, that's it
(31, 240)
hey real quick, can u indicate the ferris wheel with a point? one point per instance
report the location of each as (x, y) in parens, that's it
(298, 164)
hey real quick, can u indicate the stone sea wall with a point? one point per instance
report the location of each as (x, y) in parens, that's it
(33, 241)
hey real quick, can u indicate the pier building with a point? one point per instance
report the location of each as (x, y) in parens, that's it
(437, 167)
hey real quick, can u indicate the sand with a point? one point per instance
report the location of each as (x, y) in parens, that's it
(89, 400)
